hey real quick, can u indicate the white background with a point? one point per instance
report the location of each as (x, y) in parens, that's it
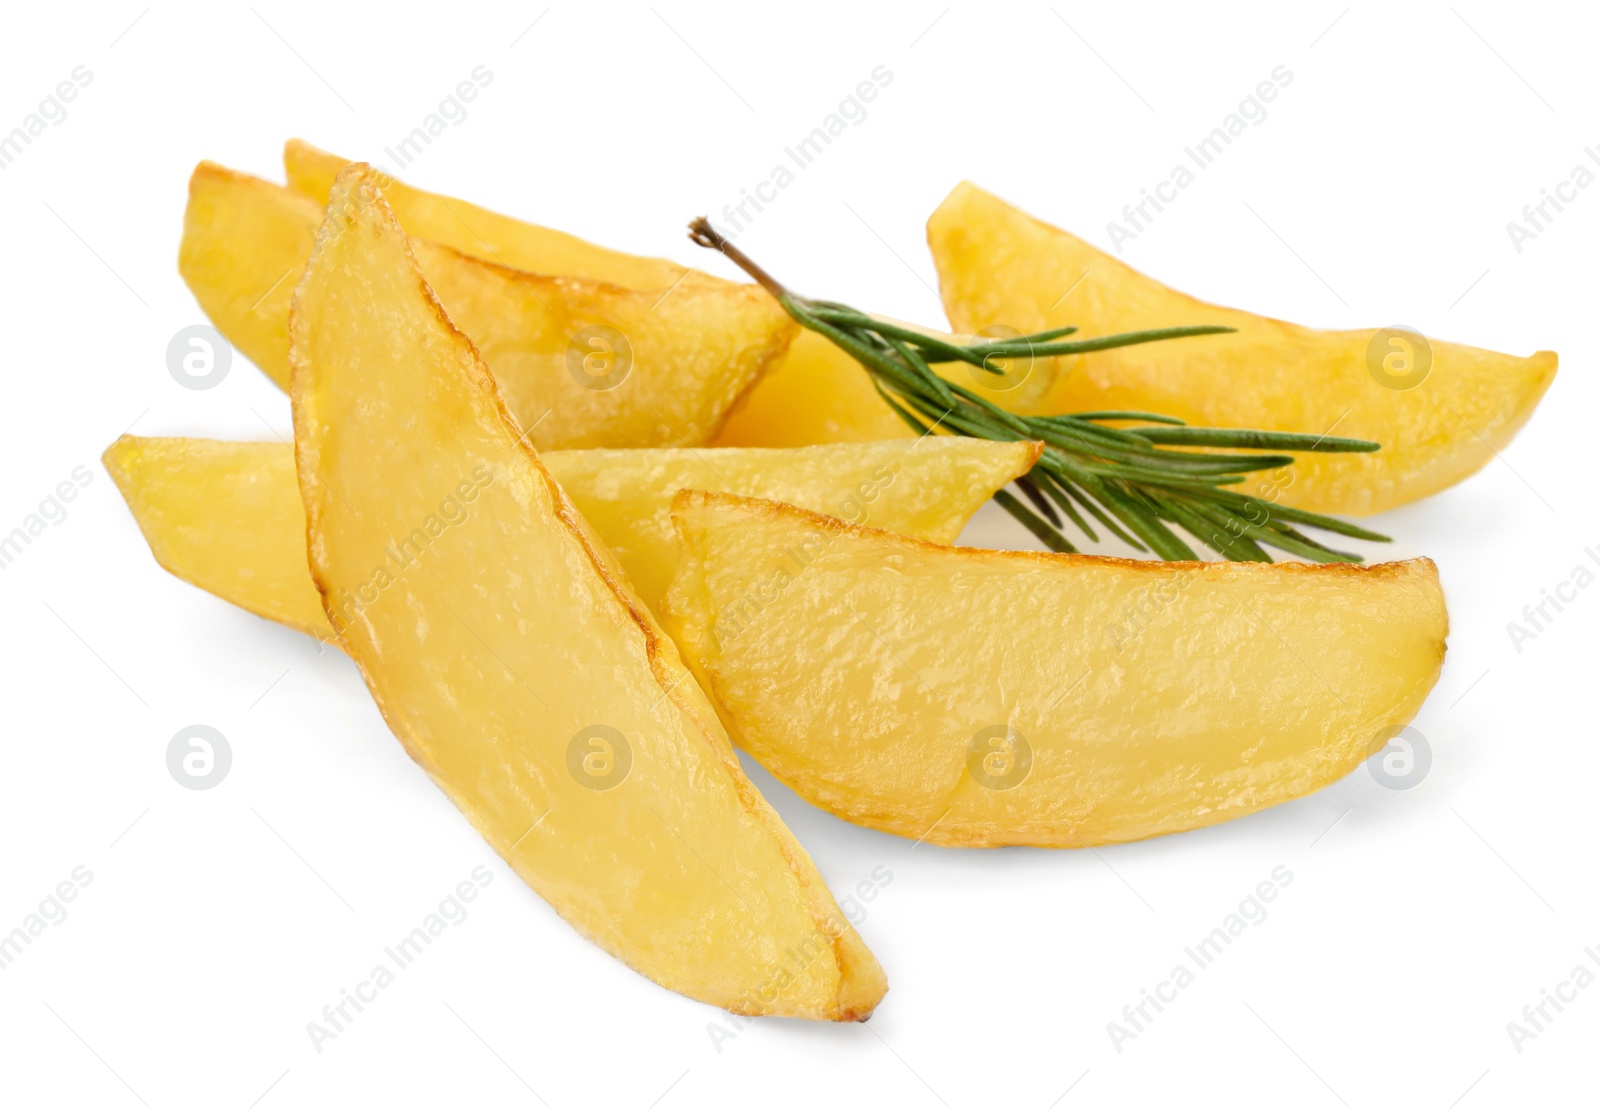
(219, 923)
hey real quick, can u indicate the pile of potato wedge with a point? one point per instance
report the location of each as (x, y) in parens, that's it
(587, 521)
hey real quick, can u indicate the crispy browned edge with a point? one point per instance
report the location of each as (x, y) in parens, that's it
(1421, 568)
(128, 447)
(778, 347)
(688, 496)
(749, 797)
(772, 352)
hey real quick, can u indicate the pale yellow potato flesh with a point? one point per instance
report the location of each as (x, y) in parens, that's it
(815, 394)
(1000, 267)
(509, 653)
(985, 698)
(695, 352)
(227, 516)
(683, 362)
(927, 488)
(818, 394)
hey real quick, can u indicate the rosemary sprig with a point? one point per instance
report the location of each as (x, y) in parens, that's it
(1119, 476)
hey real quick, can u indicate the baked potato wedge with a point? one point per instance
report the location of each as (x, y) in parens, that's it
(1439, 410)
(982, 698)
(310, 171)
(227, 516)
(579, 361)
(815, 394)
(516, 665)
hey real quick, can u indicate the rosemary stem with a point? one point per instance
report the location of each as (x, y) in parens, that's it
(1122, 476)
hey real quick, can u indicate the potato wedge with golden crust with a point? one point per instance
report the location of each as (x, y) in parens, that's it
(227, 516)
(488, 235)
(1000, 267)
(607, 366)
(815, 394)
(517, 667)
(582, 362)
(245, 245)
(985, 698)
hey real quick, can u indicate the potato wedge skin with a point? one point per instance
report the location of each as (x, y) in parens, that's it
(227, 516)
(997, 265)
(580, 361)
(815, 394)
(680, 868)
(882, 678)
(480, 232)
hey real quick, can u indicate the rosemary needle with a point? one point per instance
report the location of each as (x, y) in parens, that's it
(1123, 477)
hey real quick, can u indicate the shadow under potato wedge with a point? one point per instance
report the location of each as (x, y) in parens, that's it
(227, 516)
(999, 267)
(985, 698)
(664, 853)
(579, 361)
